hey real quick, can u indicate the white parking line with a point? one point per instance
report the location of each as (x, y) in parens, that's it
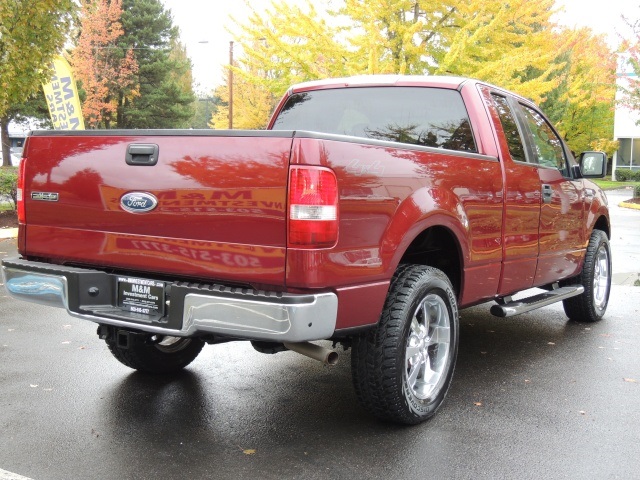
(4, 475)
(8, 232)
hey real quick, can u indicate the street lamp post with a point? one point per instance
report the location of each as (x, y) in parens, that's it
(230, 81)
(231, 85)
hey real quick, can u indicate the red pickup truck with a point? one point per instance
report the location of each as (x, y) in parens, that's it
(369, 211)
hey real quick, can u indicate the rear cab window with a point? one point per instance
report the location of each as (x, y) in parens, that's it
(423, 116)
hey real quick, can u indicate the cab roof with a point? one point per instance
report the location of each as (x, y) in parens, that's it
(454, 83)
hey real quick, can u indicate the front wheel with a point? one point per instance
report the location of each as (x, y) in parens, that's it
(154, 353)
(402, 369)
(595, 277)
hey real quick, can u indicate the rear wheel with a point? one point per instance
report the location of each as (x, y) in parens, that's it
(402, 369)
(596, 280)
(155, 353)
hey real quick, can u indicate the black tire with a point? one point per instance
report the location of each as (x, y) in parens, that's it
(389, 381)
(595, 277)
(151, 354)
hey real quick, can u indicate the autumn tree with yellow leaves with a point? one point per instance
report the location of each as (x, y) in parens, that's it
(583, 103)
(252, 105)
(507, 44)
(285, 46)
(514, 45)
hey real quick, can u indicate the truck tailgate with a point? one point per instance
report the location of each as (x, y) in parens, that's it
(218, 199)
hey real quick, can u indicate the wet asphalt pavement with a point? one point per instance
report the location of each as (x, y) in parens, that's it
(534, 396)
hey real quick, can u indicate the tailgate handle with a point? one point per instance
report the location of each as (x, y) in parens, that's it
(145, 154)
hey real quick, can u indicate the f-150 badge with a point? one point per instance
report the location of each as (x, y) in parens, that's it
(44, 196)
(138, 202)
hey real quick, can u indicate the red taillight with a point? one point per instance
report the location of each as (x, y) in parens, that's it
(313, 207)
(20, 192)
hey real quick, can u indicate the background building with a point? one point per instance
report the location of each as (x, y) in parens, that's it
(626, 129)
(17, 135)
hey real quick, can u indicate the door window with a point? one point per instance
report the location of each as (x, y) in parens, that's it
(547, 146)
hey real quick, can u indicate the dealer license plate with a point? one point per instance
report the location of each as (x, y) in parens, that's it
(138, 295)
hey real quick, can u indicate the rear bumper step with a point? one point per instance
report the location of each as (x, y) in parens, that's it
(524, 305)
(192, 309)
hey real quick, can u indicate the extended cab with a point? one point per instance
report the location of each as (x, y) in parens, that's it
(368, 213)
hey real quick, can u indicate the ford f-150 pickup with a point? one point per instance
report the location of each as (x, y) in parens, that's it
(370, 210)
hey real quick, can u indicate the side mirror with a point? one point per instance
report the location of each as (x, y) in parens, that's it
(593, 164)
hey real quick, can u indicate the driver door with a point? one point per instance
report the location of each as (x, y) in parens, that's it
(561, 234)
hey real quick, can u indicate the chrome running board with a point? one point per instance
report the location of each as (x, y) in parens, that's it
(516, 307)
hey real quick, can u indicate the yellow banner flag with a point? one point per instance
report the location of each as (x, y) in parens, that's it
(62, 98)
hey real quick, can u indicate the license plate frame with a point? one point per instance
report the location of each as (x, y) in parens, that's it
(141, 296)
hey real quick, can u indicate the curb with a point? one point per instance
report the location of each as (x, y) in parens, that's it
(633, 206)
(8, 233)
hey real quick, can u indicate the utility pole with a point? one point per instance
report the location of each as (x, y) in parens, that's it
(231, 85)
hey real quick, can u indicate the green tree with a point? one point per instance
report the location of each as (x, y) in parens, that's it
(165, 96)
(204, 106)
(9, 184)
(31, 34)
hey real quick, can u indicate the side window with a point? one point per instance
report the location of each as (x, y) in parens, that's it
(546, 144)
(510, 127)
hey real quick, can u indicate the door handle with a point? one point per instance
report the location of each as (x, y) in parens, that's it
(547, 193)
(144, 154)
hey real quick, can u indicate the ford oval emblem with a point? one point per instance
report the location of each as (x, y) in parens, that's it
(138, 202)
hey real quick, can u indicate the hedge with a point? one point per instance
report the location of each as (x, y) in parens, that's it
(9, 184)
(626, 175)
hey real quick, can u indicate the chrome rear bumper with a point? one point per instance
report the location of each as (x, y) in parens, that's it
(192, 309)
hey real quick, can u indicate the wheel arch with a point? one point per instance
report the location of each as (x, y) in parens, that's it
(437, 246)
(602, 223)
(430, 228)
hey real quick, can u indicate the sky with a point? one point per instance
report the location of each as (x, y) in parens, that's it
(206, 28)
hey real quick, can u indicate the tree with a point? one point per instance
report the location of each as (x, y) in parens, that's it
(165, 97)
(32, 108)
(583, 103)
(504, 43)
(31, 34)
(105, 70)
(205, 106)
(396, 36)
(251, 107)
(630, 90)
(285, 46)
(511, 44)
(290, 44)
